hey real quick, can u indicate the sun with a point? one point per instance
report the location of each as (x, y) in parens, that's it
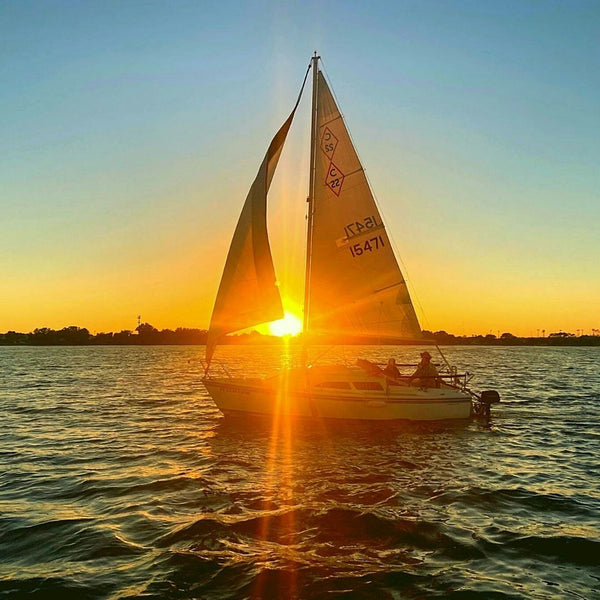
(289, 325)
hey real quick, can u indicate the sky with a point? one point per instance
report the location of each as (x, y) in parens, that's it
(131, 132)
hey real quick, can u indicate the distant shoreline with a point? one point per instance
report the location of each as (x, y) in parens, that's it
(147, 335)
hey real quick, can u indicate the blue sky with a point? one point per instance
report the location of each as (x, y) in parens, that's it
(132, 131)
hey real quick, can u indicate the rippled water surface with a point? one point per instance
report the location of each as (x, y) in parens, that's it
(120, 479)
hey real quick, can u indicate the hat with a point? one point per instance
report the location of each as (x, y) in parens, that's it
(425, 354)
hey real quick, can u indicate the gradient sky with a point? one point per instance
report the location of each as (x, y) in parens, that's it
(131, 132)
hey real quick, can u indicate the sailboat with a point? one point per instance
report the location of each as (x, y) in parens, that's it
(353, 287)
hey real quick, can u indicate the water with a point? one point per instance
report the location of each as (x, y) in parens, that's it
(120, 479)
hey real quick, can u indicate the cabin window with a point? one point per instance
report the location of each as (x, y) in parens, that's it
(338, 385)
(367, 385)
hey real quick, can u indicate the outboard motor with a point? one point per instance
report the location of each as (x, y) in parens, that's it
(483, 404)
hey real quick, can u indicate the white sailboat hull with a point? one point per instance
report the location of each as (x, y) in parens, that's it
(295, 395)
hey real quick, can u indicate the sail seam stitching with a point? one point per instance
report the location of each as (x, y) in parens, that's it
(330, 121)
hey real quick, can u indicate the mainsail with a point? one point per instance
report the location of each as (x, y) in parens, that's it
(356, 287)
(248, 294)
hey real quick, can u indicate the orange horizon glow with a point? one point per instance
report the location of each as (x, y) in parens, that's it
(488, 189)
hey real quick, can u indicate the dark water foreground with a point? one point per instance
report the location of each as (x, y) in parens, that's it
(119, 479)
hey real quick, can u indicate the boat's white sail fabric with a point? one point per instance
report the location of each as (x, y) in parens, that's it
(248, 294)
(356, 287)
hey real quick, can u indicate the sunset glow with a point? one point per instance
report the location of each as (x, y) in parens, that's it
(478, 159)
(289, 325)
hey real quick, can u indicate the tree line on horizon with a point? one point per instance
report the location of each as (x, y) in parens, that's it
(146, 335)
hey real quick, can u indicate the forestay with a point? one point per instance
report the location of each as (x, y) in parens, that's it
(356, 286)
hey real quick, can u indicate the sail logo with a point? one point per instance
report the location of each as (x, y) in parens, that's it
(334, 179)
(328, 143)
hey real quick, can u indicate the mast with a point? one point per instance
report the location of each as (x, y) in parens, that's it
(311, 190)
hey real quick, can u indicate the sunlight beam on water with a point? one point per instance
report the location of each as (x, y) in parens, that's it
(279, 469)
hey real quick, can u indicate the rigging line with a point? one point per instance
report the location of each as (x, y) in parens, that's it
(407, 279)
(323, 353)
(448, 366)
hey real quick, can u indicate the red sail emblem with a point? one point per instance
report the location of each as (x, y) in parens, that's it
(334, 179)
(328, 143)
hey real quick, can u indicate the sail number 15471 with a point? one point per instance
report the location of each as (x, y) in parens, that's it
(369, 245)
(359, 227)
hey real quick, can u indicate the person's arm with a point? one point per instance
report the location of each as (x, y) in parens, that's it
(417, 373)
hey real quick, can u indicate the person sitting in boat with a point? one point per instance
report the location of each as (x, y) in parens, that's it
(391, 370)
(426, 372)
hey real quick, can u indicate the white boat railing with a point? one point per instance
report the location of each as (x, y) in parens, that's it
(449, 375)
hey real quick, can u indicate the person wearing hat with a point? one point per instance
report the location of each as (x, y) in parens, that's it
(426, 372)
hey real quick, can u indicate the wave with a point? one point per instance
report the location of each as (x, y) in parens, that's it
(517, 500)
(66, 539)
(559, 549)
